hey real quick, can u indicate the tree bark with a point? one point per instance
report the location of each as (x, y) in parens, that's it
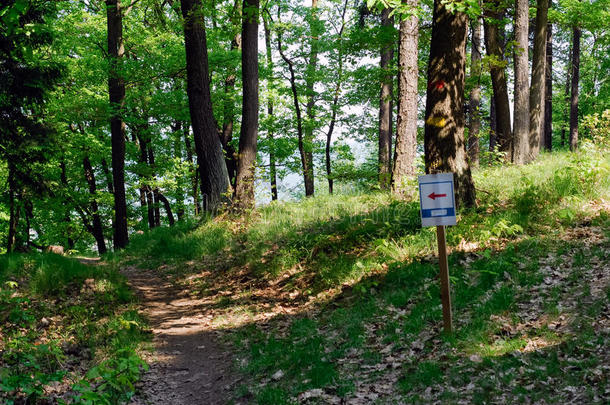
(67, 219)
(574, 95)
(97, 229)
(270, 132)
(213, 174)
(406, 122)
(297, 108)
(548, 98)
(308, 170)
(445, 149)
(385, 105)
(474, 125)
(498, 78)
(521, 107)
(246, 165)
(167, 207)
(116, 91)
(537, 92)
(566, 109)
(334, 106)
(194, 171)
(493, 123)
(231, 157)
(14, 210)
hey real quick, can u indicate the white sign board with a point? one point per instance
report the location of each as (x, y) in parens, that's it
(437, 200)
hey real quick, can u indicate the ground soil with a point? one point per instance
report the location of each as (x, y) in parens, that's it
(188, 365)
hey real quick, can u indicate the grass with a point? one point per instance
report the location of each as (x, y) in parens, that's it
(66, 325)
(359, 276)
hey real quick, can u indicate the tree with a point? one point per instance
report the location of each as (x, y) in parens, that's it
(244, 184)
(576, 32)
(474, 124)
(213, 173)
(116, 91)
(26, 140)
(385, 102)
(548, 92)
(537, 92)
(270, 105)
(521, 102)
(498, 75)
(406, 125)
(444, 145)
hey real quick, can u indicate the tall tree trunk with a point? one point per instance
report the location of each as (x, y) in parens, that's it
(213, 173)
(153, 179)
(474, 125)
(385, 104)
(194, 171)
(297, 108)
(444, 145)
(108, 175)
(406, 122)
(67, 219)
(246, 165)
(566, 109)
(493, 123)
(167, 207)
(498, 79)
(177, 133)
(116, 90)
(310, 94)
(231, 157)
(521, 110)
(270, 134)
(574, 96)
(334, 106)
(146, 198)
(14, 210)
(537, 92)
(97, 229)
(548, 98)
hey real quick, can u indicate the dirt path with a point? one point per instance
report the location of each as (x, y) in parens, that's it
(189, 365)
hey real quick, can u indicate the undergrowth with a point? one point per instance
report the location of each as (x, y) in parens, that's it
(69, 332)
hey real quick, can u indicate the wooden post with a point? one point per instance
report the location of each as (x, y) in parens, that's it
(444, 276)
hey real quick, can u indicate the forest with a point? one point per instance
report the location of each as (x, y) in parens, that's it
(216, 201)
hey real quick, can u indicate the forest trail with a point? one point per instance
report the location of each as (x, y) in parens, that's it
(188, 364)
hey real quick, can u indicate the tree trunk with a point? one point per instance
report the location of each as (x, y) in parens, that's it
(246, 165)
(194, 171)
(498, 78)
(566, 109)
(177, 135)
(334, 106)
(493, 123)
(231, 157)
(574, 96)
(308, 170)
(474, 126)
(67, 219)
(168, 208)
(108, 176)
(406, 122)
(297, 108)
(537, 92)
(444, 144)
(14, 211)
(270, 134)
(116, 91)
(548, 98)
(96, 230)
(213, 173)
(385, 105)
(521, 103)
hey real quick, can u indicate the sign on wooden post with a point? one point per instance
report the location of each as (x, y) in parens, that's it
(437, 202)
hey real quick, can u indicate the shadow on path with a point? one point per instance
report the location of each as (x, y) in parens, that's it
(189, 365)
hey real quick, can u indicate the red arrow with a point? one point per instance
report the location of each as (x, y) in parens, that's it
(433, 196)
